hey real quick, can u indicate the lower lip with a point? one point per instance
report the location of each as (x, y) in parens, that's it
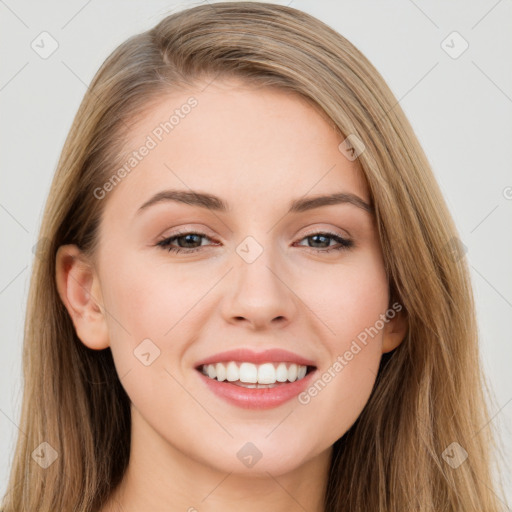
(254, 398)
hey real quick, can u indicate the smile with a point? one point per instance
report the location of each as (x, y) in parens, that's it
(251, 379)
(252, 375)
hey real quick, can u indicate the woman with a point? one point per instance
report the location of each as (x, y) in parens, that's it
(318, 352)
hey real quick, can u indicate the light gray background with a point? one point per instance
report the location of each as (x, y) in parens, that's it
(460, 109)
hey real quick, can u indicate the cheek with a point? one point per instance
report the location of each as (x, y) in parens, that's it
(350, 302)
(151, 307)
(348, 298)
(151, 299)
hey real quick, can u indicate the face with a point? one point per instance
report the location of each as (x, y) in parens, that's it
(176, 283)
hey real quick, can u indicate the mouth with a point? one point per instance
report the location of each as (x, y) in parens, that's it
(256, 376)
(257, 380)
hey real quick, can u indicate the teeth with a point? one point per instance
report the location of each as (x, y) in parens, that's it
(248, 373)
(232, 373)
(301, 372)
(220, 371)
(292, 372)
(281, 373)
(267, 373)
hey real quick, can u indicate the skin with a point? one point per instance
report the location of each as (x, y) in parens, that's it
(258, 149)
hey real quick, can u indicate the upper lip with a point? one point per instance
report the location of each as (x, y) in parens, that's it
(265, 356)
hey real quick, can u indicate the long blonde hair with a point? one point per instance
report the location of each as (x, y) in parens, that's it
(430, 392)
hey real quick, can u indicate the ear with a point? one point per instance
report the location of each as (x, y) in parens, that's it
(395, 329)
(79, 289)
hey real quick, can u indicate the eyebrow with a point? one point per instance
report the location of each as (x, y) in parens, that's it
(211, 202)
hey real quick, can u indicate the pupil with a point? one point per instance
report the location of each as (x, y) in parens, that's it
(188, 238)
(318, 236)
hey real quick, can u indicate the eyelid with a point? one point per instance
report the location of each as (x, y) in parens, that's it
(332, 231)
(325, 228)
(185, 231)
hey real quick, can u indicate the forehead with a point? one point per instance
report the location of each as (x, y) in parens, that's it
(249, 145)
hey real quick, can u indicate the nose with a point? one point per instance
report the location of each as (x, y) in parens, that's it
(259, 294)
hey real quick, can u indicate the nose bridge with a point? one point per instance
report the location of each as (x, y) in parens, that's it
(258, 290)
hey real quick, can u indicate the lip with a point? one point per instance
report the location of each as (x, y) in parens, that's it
(241, 355)
(253, 398)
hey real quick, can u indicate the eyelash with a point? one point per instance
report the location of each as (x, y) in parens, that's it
(165, 244)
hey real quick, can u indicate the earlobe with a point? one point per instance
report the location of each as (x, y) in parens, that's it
(395, 331)
(79, 289)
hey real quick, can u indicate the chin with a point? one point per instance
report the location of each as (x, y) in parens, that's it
(257, 458)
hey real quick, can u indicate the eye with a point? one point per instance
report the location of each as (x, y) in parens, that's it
(322, 237)
(187, 242)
